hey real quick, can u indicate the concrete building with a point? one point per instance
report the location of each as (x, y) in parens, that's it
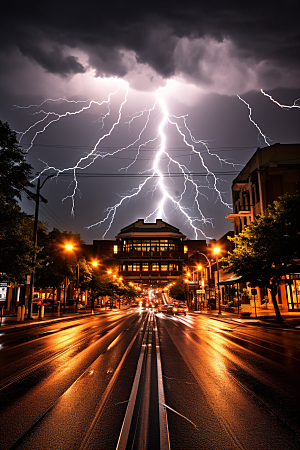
(271, 172)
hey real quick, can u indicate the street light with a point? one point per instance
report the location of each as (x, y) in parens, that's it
(70, 247)
(216, 252)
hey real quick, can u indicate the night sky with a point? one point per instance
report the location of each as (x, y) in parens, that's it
(173, 72)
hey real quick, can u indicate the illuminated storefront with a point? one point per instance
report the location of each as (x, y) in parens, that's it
(293, 291)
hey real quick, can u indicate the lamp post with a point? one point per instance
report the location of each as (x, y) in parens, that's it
(70, 247)
(94, 264)
(216, 252)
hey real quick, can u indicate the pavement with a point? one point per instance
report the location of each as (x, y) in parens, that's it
(10, 321)
(291, 320)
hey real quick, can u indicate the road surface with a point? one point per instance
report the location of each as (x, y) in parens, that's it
(138, 379)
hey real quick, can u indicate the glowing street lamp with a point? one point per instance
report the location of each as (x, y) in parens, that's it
(70, 247)
(216, 252)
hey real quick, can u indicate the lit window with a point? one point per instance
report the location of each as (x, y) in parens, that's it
(154, 245)
(145, 267)
(136, 267)
(115, 249)
(155, 266)
(164, 267)
(185, 249)
(129, 267)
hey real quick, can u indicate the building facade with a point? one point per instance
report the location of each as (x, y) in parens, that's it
(271, 172)
(150, 253)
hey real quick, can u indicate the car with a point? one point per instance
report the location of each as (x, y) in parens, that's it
(181, 308)
(167, 308)
(174, 309)
(71, 304)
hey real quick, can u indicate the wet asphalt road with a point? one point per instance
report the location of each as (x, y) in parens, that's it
(81, 384)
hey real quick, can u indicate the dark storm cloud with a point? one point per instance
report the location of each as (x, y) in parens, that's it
(260, 32)
(53, 61)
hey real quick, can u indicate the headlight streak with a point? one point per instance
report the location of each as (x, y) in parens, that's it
(193, 216)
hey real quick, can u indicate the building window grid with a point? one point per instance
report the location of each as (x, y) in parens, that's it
(154, 267)
(147, 245)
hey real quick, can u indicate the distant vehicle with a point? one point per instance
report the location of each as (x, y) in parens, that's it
(167, 308)
(71, 304)
(181, 308)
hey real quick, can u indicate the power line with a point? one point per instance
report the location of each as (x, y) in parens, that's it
(143, 175)
(134, 148)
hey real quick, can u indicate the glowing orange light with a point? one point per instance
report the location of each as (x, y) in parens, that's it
(69, 247)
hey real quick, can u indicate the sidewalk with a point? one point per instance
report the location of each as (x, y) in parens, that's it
(10, 321)
(264, 318)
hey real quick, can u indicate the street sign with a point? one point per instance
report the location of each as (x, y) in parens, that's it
(253, 291)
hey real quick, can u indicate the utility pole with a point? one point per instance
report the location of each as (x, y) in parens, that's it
(35, 227)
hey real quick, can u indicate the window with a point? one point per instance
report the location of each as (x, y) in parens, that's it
(185, 249)
(146, 245)
(136, 267)
(127, 245)
(124, 268)
(155, 245)
(155, 266)
(129, 267)
(164, 267)
(137, 245)
(145, 267)
(115, 249)
(164, 245)
(171, 244)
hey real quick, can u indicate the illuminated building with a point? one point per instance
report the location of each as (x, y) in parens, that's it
(271, 172)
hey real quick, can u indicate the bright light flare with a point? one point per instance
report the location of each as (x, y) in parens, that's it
(69, 247)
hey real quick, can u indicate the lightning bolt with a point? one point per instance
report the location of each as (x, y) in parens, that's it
(260, 133)
(279, 104)
(158, 176)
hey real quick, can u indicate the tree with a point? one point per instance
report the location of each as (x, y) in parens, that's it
(15, 172)
(16, 245)
(179, 290)
(57, 264)
(268, 248)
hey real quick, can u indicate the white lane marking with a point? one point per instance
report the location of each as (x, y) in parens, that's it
(123, 438)
(163, 421)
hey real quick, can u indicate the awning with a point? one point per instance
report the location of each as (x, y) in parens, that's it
(232, 280)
